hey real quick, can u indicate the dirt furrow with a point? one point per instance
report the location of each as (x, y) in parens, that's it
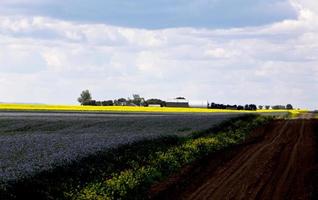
(226, 183)
(278, 166)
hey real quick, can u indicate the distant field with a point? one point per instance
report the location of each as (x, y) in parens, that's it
(77, 108)
(54, 136)
(59, 154)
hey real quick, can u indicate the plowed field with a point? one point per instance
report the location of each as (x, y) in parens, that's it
(277, 164)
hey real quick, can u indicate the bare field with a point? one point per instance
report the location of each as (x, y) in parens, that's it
(276, 162)
(33, 142)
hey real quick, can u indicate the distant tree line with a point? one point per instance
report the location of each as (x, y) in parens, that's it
(98, 103)
(282, 107)
(86, 99)
(155, 102)
(249, 107)
(277, 107)
(232, 107)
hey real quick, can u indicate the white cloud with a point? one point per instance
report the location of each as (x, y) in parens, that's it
(220, 53)
(271, 64)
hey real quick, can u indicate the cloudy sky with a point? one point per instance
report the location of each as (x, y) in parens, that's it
(227, 51)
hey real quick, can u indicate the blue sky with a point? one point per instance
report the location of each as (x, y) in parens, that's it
(152, 14)
(237, 52)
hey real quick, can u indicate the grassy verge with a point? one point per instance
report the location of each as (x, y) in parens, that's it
(127, 172)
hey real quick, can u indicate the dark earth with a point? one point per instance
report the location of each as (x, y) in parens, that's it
(278, 161)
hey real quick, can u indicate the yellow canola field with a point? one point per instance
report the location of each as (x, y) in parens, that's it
(78, 108)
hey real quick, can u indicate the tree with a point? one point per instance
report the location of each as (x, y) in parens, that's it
(239, 107)
(289, 107)
(267, 107)
(120, 102)
(278, 107)
(250, 107)
(107, 103)
(253, 107)
(90, 103)
(137, 100)
(136, 96)
(85, 97)
(260, 107)
(155, 101)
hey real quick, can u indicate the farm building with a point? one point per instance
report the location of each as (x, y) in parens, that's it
(198, 104)
(177, 102)
(154, 105)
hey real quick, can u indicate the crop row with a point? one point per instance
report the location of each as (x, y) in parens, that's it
(134, 182)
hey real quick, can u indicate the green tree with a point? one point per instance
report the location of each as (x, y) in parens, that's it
(137, 100)
(289, 107)
(85, 97)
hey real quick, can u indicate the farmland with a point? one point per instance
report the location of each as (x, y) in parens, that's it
(125, 109)
(76, 154)
(277, 161)
(34, 142)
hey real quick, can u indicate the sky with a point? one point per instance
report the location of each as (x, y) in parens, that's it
(225, 51)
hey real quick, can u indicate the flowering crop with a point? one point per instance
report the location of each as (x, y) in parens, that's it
(29, 145)
(40, 107)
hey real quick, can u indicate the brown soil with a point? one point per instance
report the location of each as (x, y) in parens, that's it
(276, 162)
